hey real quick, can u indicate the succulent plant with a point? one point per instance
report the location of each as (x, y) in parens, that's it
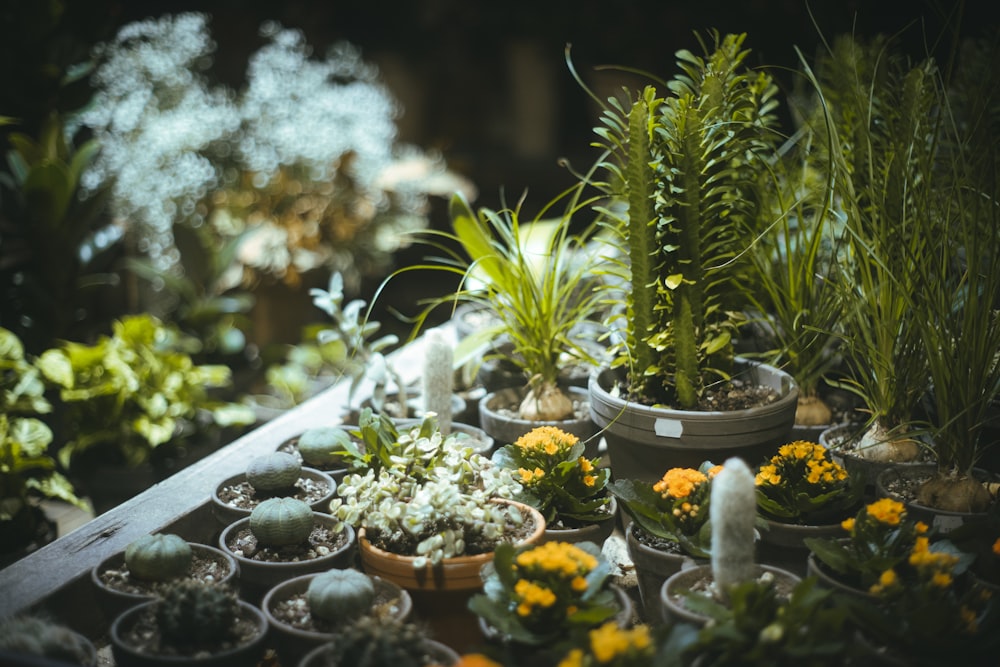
(36, 635)
(340, 595)
(279, 522)
(319, 446)
(370, 642)
(158, 557)
(273, 472)
(732, 512)
(192, 612)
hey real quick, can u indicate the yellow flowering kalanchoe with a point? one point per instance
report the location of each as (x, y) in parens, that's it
(569, 489)
(674, 509)
(612, 646)
(802, 484)
(538, 594)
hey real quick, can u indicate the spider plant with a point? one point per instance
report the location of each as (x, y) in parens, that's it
(536, 277)
(682, 170)
(883, 149)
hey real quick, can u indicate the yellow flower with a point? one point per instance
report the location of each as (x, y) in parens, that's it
(848, 524)
(476, 660)
(547, 439)
(589, 480)
(609, 641)
(679, 482)
(573, 659)
(941, 579)
(714, 470)
(561, 557)
(585, 464)
(887, 511)
(579, 584)
(920, 528)
(532, 595)
(886, 580)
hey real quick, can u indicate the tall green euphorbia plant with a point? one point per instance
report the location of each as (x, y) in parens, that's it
(684, 168)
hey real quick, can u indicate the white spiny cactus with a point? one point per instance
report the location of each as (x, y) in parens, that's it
(438, 377)
(732, 512)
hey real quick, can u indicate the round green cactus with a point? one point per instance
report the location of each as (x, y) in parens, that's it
(274, 472)
(191, 612)
(279, 522)
(158, 557)
(340, 594)
(318, 445)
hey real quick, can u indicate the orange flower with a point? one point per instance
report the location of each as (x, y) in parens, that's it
(887, 511)
(996, 547)
(679, 482)
(476, 660)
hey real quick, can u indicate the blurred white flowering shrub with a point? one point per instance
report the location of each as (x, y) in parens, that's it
(303, 163)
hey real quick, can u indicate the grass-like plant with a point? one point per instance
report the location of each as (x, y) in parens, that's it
(536, 278)
(682, 172)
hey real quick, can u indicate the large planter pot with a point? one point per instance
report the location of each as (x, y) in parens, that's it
(911, 477)
(597, 533)
(257, 576)
(645, 441)
(216, 565)
(227, 513)
(506, 429)
(652, 568)
(127, 655)
(782, 544)
(437, 652)
(441, 592)
(293, 642)
(678, 584)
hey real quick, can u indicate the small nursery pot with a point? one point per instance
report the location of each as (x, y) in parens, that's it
(597, 532)
(652, 568)
(292, 643)
(227, 514)
(674, 588)
(113, 602)
(505, 429)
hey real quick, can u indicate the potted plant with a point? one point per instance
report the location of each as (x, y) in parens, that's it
(557, 479)
(27, 637)
(26, 469)
(536, 281)
(611, 644)
(200, 624)
(681, 175)
(278, 474)
(732, 514)
(307, 611)
(538, 598)
(802, 492)
(284, 538)
(371, 642)
(429, 513)
(151, 563)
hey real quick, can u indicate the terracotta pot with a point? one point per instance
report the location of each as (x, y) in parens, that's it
(643, 441)
(782, 544)
(127, 655)
(652, 568)
(258, 577)
(597, 533)
(113, 601)
(440, 654)
(292, 643)
(441, 592)
(227, 514)
(506, 430)
(674, 588)
(940, 520)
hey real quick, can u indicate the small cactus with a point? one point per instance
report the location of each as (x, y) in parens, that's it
(340, 594)
(273, 472)
(317, 446)
(158, 557)
(370, 642)
(438, 377)
(279, 522)
(192, 613)
(732, 511)
(36, 635)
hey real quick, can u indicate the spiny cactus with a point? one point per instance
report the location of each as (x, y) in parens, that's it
(273, 472)
(340, 594)
(192, 612)
(732, 511)
(36, 635)
(279, 522)
(158, 557)
(317, 446)
(438, 377)
(370, 642)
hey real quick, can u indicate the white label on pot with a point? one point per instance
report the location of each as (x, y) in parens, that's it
(668, 428)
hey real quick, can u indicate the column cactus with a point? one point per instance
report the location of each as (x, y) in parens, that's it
(159, 557)
(279, 522)
(192, 613)
(340, 595)
(273, 473)
(438, 377)
(732, 512)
